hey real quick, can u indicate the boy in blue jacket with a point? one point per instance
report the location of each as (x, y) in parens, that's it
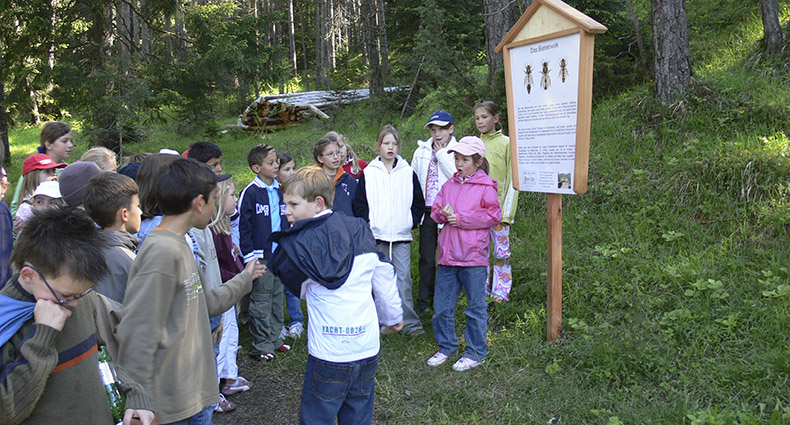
(261, 213)
(332, 261)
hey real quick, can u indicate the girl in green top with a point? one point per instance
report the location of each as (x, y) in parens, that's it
(498, 155)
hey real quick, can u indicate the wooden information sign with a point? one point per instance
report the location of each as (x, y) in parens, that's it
(548, 74)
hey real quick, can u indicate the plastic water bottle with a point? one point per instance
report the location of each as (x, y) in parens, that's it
(109, 378)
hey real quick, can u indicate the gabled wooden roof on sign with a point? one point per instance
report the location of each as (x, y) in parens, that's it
(549, 16)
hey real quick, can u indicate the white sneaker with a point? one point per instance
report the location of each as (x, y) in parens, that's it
(296, 330)
(465, 363)
(438, 359)
(283, 332)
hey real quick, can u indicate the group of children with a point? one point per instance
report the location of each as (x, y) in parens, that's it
(185, 262)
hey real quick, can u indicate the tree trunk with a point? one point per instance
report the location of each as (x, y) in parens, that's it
(772, 30)
(169, 40)
(640, 43)
(371, 30)
(144, 32)
(179, 17)
(331, 34)
(352, 24)
(35, 116)
(382, 38)
(498, 17)
(304, 49)
(135, 26)
(291, 37)
(99, 35)
(672, 59)
(124, 31)
(323, 28)
(5, 154)
(319, 44)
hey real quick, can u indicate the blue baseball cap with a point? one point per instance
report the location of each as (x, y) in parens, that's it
(440, 118)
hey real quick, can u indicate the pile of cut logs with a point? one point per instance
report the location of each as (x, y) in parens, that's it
(263, 114)
(278, 112)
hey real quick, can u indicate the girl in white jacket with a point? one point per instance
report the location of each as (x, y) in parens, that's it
(390, 199)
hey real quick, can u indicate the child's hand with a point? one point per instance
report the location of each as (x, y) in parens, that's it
(51, 314)
(450, 213)
(255, 268)
(216, 337)
(386, 330)
(139, 416)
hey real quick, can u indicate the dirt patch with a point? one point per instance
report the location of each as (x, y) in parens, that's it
(275, 397)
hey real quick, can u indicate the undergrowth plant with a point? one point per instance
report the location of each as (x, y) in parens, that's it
(676, 285)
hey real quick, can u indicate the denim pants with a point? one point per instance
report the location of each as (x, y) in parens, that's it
(338, 390)
(201, 418)
(449, 281)
(294, 307)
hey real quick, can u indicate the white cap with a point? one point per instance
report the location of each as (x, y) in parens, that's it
(50, 189)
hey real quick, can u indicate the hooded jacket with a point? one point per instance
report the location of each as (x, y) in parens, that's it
(332, 262)
(341, 239)
(391, 201)
(477, 210)
(120, 256)
(498, 156)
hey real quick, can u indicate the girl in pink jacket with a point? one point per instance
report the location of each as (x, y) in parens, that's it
(468, 207)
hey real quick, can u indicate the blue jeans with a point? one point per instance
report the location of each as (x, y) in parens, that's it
(294, 306)
(201, 418)
(338, 390)
(449, 281)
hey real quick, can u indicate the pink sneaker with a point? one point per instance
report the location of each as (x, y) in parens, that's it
(438, 359)
(224, 405)
(465, 363)
(240, 385)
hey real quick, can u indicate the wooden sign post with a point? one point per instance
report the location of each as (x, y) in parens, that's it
(548, 72)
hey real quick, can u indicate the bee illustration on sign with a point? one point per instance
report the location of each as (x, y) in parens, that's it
(545, 81)
(563, 69)
(528, 78)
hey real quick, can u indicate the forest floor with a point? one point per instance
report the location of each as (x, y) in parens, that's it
(274, 399)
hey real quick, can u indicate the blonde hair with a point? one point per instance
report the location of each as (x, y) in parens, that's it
(29, 184)
(220, 222)
(102, 157)
(387, 129)
(352, 156)
(310, 182)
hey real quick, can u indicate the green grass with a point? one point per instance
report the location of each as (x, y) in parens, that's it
(676, 284)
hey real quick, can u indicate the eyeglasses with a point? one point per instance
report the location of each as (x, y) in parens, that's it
(60, 300)
(333, 154)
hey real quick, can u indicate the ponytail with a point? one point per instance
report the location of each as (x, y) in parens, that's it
(491, 108)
